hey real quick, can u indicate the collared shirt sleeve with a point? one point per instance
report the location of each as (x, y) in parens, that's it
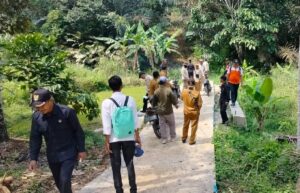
(106, 117)
(173, 98)
(147, 81)
(35, 140)
(133, 107)
(79, 134)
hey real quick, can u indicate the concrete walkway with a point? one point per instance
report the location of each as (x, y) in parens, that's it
(171, 168)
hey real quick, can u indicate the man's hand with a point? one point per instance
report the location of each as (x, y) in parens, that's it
(138, 138)
(107, 147)
(81, 156)
(32, 165)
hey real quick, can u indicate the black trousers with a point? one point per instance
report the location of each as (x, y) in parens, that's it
(145, 101)
(62, 173)
(127, 148)
(223, 107)
(233, 91)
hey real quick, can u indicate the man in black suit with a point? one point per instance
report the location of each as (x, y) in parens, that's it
(63, 135)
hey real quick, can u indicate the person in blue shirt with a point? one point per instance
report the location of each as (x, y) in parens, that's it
(64, 137)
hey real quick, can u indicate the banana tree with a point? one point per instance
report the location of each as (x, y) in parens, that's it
(260, 100)
(149, 49)
(138, 38)
(118, 46)
(166, 44)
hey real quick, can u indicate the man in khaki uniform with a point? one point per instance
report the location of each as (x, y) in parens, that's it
(192, 104)
(153, 84)
(199, 78)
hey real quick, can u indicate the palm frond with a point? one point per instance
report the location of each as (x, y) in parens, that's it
(289, 53)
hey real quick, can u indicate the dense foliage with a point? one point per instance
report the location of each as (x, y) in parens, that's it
(36, 61)
(247, 29)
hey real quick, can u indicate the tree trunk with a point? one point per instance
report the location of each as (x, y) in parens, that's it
(240, 52)
(152, 60)
(136, 60)
(298, 132)
(3, 130)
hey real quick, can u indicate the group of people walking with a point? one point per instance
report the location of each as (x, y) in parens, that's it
(64, 137)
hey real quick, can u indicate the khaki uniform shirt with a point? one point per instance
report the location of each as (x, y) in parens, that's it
(152, 87)
(188, 97)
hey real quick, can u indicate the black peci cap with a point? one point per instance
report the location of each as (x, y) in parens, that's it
(236, 61)
(40, 96)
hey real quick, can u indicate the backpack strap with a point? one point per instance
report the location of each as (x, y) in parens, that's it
(126, 101)
(113, 100)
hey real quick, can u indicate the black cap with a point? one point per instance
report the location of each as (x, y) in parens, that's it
(141, 74)
(40, 96)
(236, 61)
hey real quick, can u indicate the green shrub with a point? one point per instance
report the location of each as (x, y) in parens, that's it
(35, 61)
(254, 162)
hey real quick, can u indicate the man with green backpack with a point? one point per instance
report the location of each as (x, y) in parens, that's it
(120, 123)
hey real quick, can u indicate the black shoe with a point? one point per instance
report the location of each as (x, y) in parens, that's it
(184, 141)
(225, 122)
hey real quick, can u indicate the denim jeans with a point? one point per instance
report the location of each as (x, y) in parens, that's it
(127, 148)
(233, 92)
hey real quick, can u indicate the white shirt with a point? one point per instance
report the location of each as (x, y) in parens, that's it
(202, 68)
(107, 109)
(206, 66)
(200, 73)
(232, 68)
(148, 79)
(184, 73)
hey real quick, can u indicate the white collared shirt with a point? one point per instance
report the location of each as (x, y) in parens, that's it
(200, 73)
(206, 66)
(107, 109)
(184, 73)
(148, 79)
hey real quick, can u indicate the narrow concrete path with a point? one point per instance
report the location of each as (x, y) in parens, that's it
(171, 168)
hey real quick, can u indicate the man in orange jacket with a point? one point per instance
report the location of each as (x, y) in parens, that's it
(235, 78)
(192, 104)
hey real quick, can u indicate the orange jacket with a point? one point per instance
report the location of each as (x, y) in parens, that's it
(234, 75)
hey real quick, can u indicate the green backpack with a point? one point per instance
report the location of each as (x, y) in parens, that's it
(122, 120)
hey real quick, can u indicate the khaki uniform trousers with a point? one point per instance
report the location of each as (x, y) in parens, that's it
(198, 86)
(194, 126)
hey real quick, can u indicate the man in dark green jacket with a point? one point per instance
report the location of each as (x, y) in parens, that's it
(163, 100)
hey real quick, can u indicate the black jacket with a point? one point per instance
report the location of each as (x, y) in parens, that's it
(62, 132)
(224, 96)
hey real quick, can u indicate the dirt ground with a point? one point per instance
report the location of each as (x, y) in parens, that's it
(14, 160)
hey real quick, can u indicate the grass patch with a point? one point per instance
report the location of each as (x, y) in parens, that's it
(254, 162)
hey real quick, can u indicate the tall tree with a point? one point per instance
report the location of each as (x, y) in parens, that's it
(240, 23)
(3, 129)
(12, 19)
(298, 131)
